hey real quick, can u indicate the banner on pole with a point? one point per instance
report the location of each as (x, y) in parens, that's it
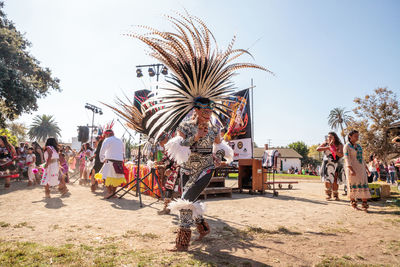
(238, 125)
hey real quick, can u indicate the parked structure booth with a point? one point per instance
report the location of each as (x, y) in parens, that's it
(251, 176)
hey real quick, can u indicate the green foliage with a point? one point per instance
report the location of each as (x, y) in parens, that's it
(18, 129)
(313, 153)
(43, 127)
(22, 79)
(338, 117)
(300, 148)
(11, 138)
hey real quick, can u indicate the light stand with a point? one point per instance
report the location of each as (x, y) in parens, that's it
(154, 70)
(96, 110)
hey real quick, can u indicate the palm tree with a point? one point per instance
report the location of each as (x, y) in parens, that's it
(43, 127)
(339, 117)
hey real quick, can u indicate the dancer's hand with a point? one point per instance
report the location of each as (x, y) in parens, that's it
(352, 172)
(201, 132)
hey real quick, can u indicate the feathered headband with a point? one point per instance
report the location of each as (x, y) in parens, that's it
(105, 128)
(199, 69)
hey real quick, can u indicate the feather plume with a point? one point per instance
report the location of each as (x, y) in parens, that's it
(134, 118)
(198, 69)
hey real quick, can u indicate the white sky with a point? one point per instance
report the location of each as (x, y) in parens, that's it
(324, 54)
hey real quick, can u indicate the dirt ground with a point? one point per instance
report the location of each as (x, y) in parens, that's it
(298, 228)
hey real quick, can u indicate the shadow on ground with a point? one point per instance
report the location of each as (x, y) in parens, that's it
(225, 241)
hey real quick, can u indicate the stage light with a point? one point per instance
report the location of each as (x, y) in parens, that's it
(151, 72)
(139, 73)
(164, 70)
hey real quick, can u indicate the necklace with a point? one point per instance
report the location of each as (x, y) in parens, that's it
(359, 151)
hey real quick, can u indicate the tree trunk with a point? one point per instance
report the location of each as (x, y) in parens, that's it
(342, 134)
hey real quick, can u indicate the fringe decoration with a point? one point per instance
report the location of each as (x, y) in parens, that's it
(227, 151)
(178, 152)
(198, 209)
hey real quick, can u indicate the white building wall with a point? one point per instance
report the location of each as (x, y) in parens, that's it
(76, 144)
(288, 163)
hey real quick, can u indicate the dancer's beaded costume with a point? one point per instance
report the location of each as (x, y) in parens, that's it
(200, 78)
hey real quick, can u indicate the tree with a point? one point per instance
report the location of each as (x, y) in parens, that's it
(22, 79)
(301, 148)
(338, 117)
(18, 129)
(11, 138)
(313, 153)
(43, 127)
(375, 113)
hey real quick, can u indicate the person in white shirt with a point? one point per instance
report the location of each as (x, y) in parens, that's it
(112, 155)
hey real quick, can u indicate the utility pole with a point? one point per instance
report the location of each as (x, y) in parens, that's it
(269, 142)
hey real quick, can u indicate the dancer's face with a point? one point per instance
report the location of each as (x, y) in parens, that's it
(203, 115)
(331, 139)
(354, 138)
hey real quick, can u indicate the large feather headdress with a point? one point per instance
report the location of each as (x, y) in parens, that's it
(135, 118)
(199, 69)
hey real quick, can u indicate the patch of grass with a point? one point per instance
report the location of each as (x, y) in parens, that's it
(344, 261)
(132, 233)
(394, 245)
(54, 226)
(88, 226)
(337, 230)
(149, 236)
(87, 247)
(282, 176)
(111, 238)
(280, 230)
(393, 221)
(232, 233)
(69, 246)
(4, 224)
(14, 253)
(20, 225)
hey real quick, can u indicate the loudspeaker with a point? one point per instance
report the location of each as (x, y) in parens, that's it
(83, 134)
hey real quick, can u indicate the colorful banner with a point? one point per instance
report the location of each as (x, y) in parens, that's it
(140, 97)
(239, 125)
(242, 148)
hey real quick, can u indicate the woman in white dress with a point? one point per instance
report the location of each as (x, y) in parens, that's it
(31, 163)
(89, 162)
(356, 171)
(52, 168)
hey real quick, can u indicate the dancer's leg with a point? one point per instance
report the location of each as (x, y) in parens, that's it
(328, 190)
(192, 190)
